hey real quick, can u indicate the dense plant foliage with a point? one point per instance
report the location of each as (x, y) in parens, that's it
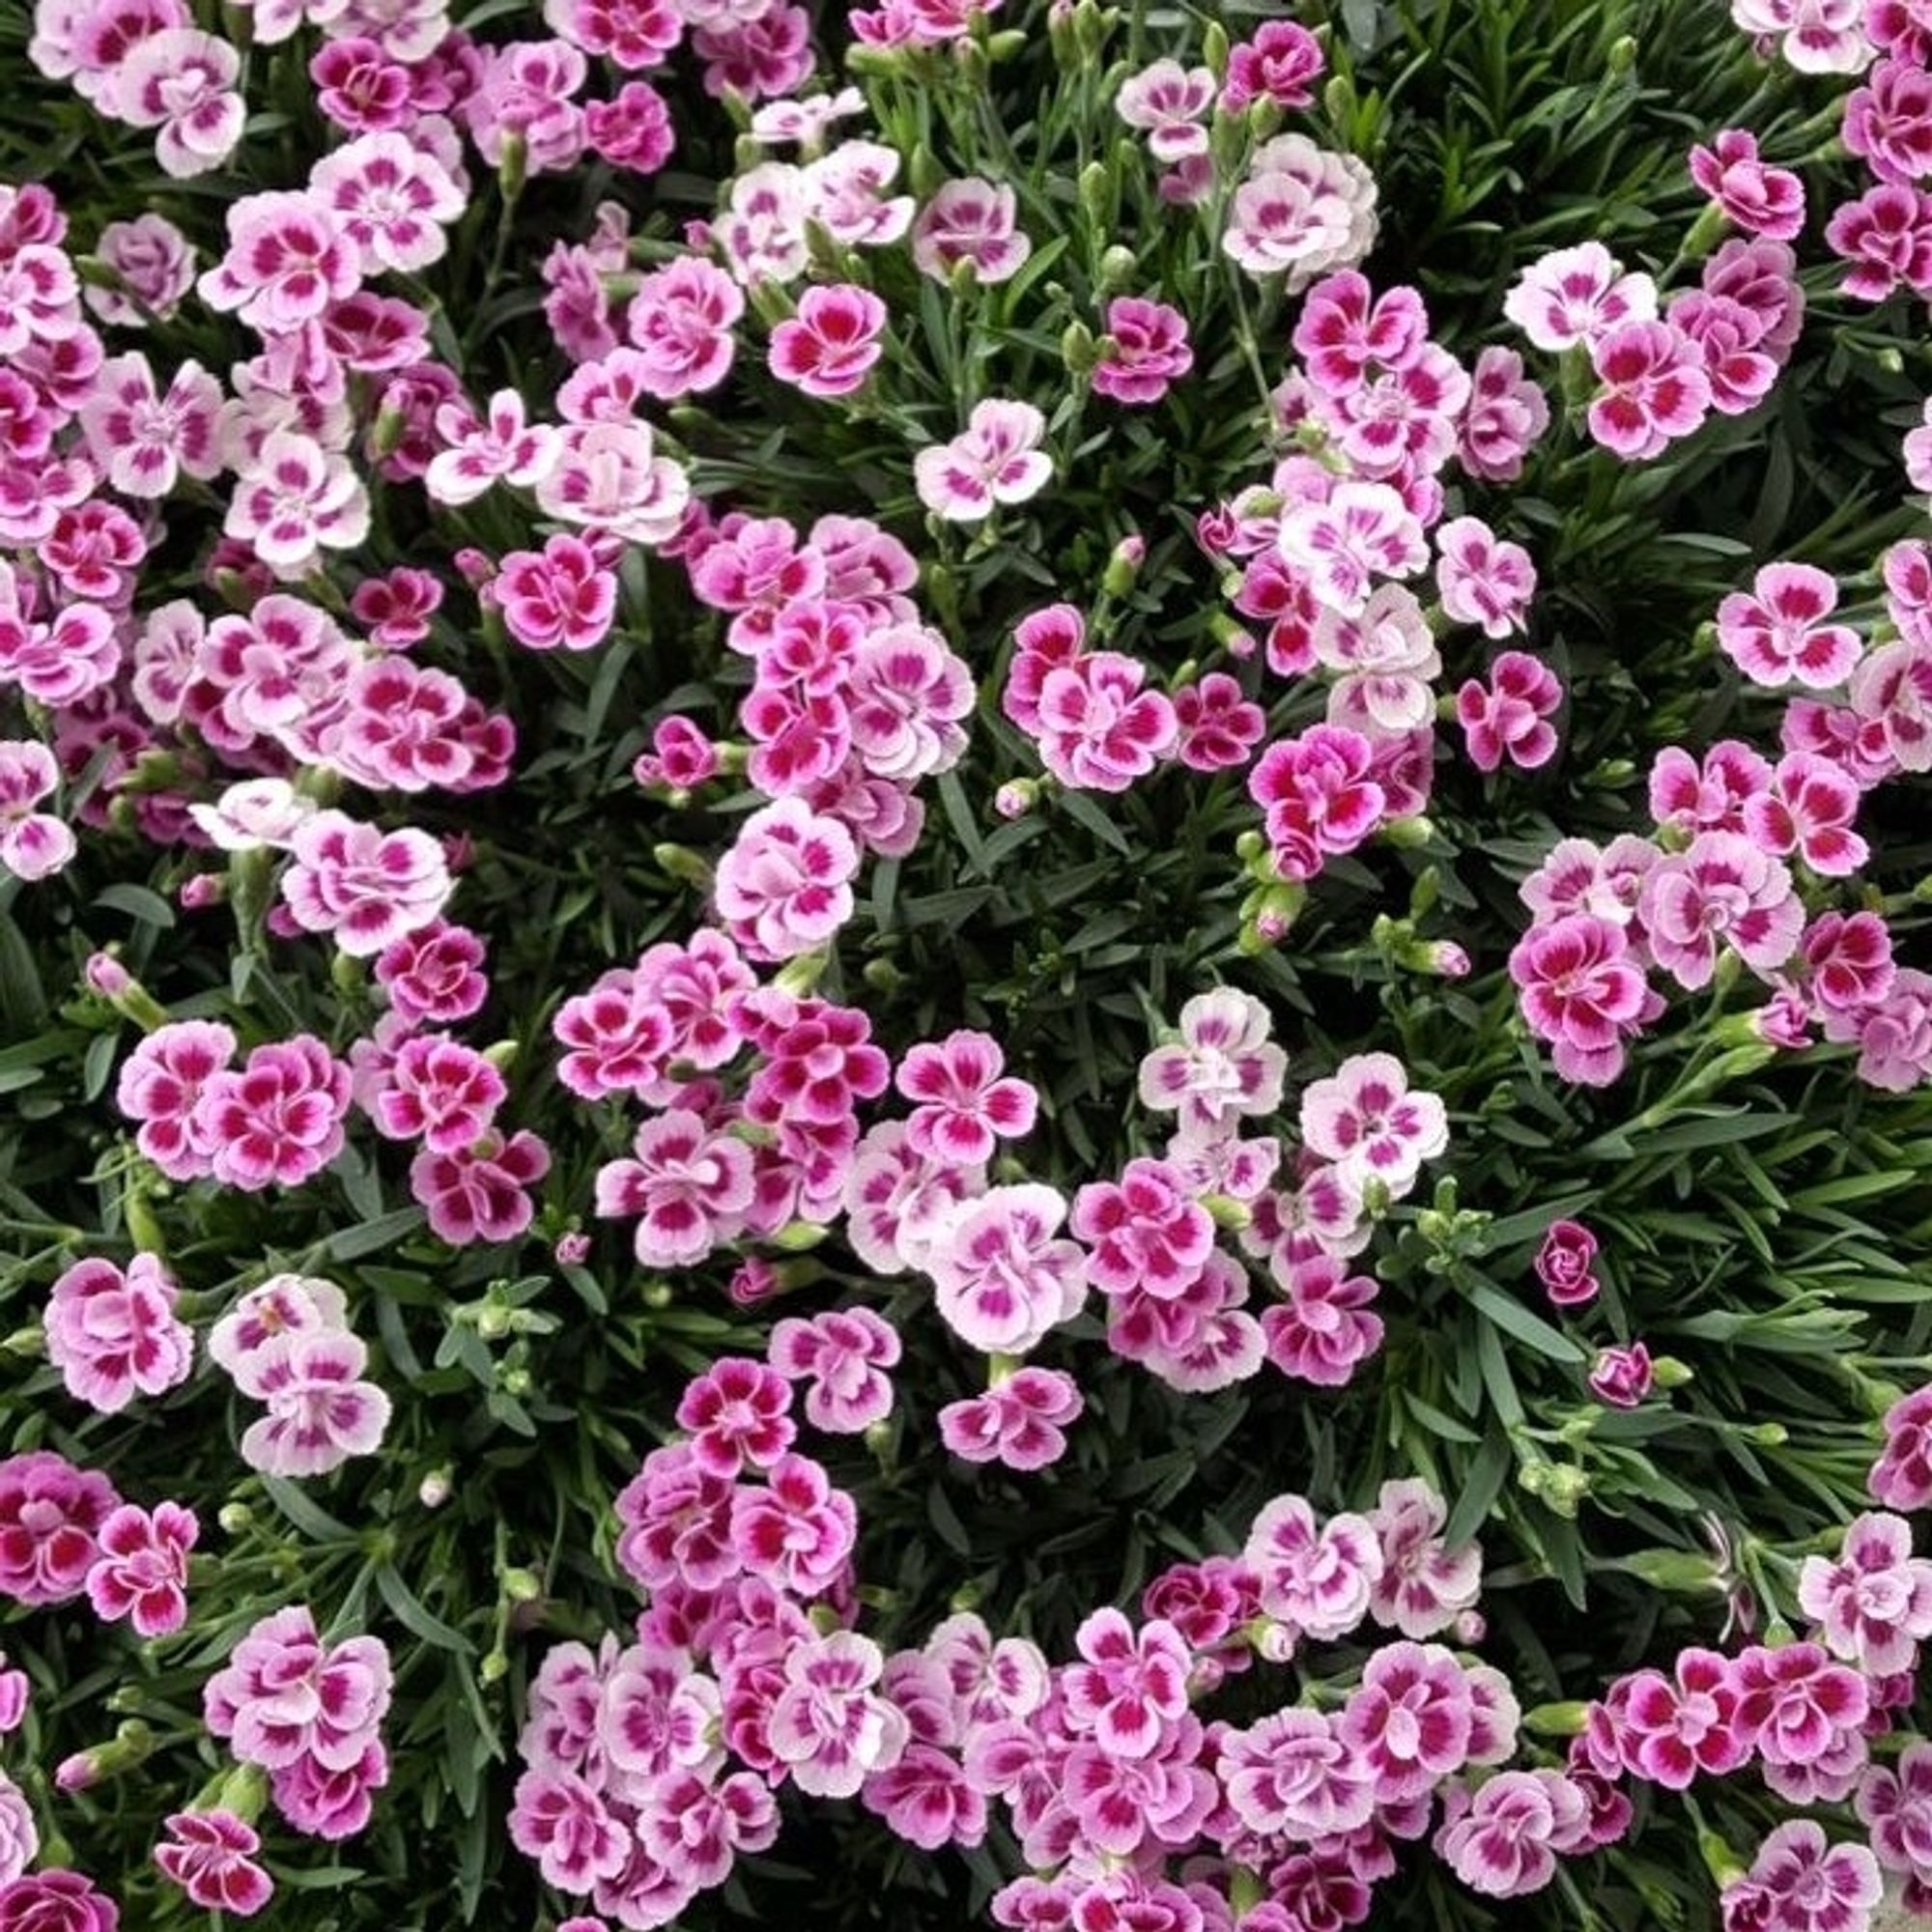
(964, 965)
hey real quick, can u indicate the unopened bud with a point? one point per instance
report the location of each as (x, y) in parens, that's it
(683, 864)
(521, 1587)
(1123, 568)
(1119, 268)
(512, 168)
(1622, 55)
(434, 1491)
(1078, 350)
(1016, 798)
(1556, 1720)
(797, 1237)
(798, 976)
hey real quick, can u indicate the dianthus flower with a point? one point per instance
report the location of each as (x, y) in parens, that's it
(51, 1518)
(141, 1572)
(113, 1333)
(211, 1856)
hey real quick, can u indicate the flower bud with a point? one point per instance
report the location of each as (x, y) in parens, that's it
(1556, 1720)
(1622, 54)
(513, 169)
(1669, 1373)
(521, 1587)
(1119, 268)
(1090, 28)
(682, 863)
(1214, 49)
(1408, 835)
(1687, 1572)
(1016, 798)
(798, 976)
(1097, 197)
(434, 1491)
(1123, 568)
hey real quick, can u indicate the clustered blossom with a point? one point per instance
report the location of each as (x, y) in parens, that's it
(287, 1344)
(308, 1713)
(760, 1112)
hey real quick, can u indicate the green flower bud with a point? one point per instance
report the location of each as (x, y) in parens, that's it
(1078, 348)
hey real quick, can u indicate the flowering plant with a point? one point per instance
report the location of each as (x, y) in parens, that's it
(964, 959)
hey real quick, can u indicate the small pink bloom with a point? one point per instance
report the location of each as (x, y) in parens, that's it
(1655, 389)
(1885, 237)
(1280, 65)
(1361, 531)
(1722, 891)
(1413, 1719)
(1002, 1279)
(677, 1523)
(365, 887)
(1218, 727)
(1131, 1683)
(481, 1193)
(561, 595)
(319, 1410)
(1874, 1603)
(1582, 992)
(141, 1572)
(1505, 417)
(1143, 353)
(1901, 1479)
(1483, 580)
(832, 344)
(391, 199)
(1324, 1330)
(113, 1334)
(33, 844)
(1801, 1883)
(278, 1121)
(828, 1725)
(736, 1415)
(963, 1105)
(1891, 692)
(1318, 1579)
(1098, 728)
(1290, 1775)
(1166, 103)
(842, 1355)
(995, 460)
(288, 259)
(211, 1856)
(502, 446)
(434, 974)
(1504, 1845)
(784, 886)
(438, 1092)
(1778, 633)
(1425, 1586)
(686, 1185)
(970, 221)
(1365, 1122)
(1018, 1422)
(1318, 797)
(1760, 199)
(1848, 961)
(1621, 1377)
(681, 320)
(51, 1518)
(1577, 297)
(1563, 1264)
(1808, 809)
